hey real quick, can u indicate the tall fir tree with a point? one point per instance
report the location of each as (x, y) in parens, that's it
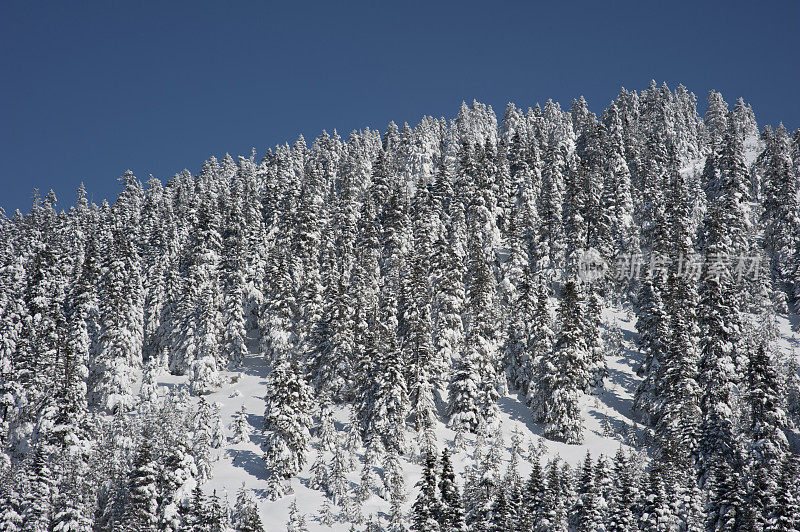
(566, 372)
(287, 420)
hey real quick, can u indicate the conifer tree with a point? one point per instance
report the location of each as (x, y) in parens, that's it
(786, 515)
(534, 495)
(194, 515)
(336, 484)
(656, 514)
(781, 186)
(37, 500)
(587, 515)
(565, 373)
(202, 356)
(473, 386)
(240, 427)
(11, 518)
(716, 119)
(120, 345)
(451, 515)
(287, 421)
(425, 509)
(245, 512)
(326, 516)
(333, 355)
(448, 303)
(384, 398)
(720, 334)
(142, 510)
(70, 507)
(769, 445)
(233, 279)
(424, 372)
(550, 208)
(71, 397)
(653, 327)
(620, 512)
(555, 504)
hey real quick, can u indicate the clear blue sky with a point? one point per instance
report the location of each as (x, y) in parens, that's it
(89, 89)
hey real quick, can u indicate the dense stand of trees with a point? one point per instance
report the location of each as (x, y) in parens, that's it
(417, 276)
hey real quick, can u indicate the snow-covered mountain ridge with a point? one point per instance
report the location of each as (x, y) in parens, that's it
(554, 321)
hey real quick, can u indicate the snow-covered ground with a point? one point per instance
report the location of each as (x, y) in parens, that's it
(608, 424)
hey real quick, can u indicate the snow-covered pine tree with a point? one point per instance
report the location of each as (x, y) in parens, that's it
(781, 190)
(71, 507)
(540, 347)
(119, 354)
(326, 516)
(676, 387)
(424, 368)
(451, 514)
(245, 512)
(620, 516)
(656, 513)
(194, 512)
(473, 389)
(550, 209)
(769, 444)
(11, 500)
(333, 343)
(716, 119)
(71, 398)
(519, 298)
(336, 485)
(425, 509)
(141, 512)
(586, 514)
(38, 498)
(719, 321)
(533, 496)
(240, 428)
(383, 402)
(653, 327)
(565, 372)
(275, 325)
(448, 302)
(287, 420)
(233, 268)
(786, 515)
(554, 510)
(201, 353)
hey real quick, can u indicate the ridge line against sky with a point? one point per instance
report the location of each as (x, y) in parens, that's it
(91, 90)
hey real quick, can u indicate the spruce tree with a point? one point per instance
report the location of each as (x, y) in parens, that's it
(769, 445)
(246, 517)
(451, 514)
(119, 347)
(424, 371)
(202, 356)
(425, 509)
(781, 186)
(620, 512)
(534, 496)
(287, 420)
(586, 513)
(240, 427)
(142, 510)
(565, 373)
(473, 388)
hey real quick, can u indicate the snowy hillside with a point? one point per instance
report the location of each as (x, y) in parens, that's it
(607, 418)
(554, 321)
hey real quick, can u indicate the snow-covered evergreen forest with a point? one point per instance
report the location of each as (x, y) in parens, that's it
(397, 331)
